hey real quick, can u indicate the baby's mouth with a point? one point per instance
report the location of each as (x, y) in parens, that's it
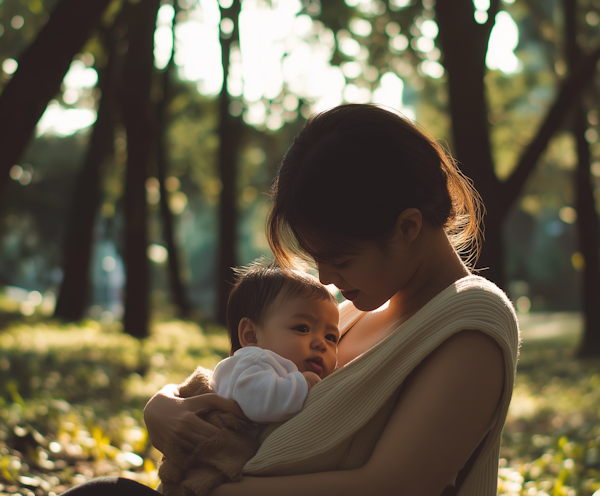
(315, 364)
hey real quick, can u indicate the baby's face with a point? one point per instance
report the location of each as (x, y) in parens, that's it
(303, 330)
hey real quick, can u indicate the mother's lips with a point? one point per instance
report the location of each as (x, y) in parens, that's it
(350, 295)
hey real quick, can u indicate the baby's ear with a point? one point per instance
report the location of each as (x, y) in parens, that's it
(247, 332)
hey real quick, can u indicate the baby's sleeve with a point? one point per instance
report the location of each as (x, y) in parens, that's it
(265, 391)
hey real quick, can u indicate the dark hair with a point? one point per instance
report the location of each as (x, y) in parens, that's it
(257, 287)
(348, 175)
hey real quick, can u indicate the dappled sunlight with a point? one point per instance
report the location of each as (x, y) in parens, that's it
(551, 438)
(18, 300)
(280, 51)
(382, 307)
(75, 399)
(87, 384)
(64, 121)
(503, 41)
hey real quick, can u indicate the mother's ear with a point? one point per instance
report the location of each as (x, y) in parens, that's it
(247, 331)
(408, 225)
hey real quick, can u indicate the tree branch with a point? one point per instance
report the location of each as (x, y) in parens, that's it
(42, 68)
(569, 91)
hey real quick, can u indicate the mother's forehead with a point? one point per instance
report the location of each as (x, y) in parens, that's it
(327, 248)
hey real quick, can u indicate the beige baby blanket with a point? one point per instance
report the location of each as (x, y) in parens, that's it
(344, 414)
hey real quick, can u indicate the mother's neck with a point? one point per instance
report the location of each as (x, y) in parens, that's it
(437, 266)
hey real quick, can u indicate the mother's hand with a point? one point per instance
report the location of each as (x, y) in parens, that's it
(174, 420)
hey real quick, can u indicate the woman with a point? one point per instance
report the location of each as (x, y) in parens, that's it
(427, 361)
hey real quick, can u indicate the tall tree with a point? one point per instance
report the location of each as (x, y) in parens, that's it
(177, 286)
(74, 292)
(140, 125)
(464, 45)
(230, 133)
(588, 227)
(42, 67)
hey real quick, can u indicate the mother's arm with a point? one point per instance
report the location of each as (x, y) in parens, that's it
(438, 420)
(171, 419)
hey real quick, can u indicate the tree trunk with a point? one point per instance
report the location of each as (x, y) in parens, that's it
(588, 228)
(589, 240)
(464, 45)
(230, 131)
(177, 287)
(42, 67)
(139, 119)
(74, 290)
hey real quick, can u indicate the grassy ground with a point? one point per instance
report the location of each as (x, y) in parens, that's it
(552, 436)
(71, 402)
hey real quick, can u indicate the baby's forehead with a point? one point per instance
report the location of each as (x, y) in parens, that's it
(308, 300)
(312, 303)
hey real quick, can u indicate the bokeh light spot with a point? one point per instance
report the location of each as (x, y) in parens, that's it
(172, 184)
(523, 304)
(35, 298)
(481, 17)
(360, 27)
(16, 171)
(157, 253)
(9, 66)
(568, 215)
(177, 202)
(578, 261)
(109, 263)
(17, 22)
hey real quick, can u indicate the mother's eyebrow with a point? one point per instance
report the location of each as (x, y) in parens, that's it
(331, 257)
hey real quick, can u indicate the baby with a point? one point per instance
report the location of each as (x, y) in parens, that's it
(283, 328)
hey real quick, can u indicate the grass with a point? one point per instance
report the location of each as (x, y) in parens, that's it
(551, 439)
(71, 400)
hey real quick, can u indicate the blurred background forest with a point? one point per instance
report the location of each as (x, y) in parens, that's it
(139, 140)
(135, 130)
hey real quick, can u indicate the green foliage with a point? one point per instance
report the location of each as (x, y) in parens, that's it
(71, 399)
(551, 438)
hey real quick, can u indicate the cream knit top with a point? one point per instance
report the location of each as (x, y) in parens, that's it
(344, 414)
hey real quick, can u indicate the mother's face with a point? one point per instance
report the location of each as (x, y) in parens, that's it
(377, 270)
(371, 277)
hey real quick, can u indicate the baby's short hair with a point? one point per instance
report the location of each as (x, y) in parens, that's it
(258, 285)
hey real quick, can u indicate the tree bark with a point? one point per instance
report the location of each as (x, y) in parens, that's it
(177, 286)
(230, 132)
(74, 292)
(42, 67)
(588, 227)
(140, 125)
(464, 43)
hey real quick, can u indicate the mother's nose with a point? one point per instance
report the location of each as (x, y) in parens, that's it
(327, 276)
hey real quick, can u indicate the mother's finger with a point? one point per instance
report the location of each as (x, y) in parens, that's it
(194, 427)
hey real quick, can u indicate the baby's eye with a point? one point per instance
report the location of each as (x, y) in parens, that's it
(302, 328)
(332, 337)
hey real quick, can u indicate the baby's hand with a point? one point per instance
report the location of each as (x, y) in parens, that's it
(311, 378)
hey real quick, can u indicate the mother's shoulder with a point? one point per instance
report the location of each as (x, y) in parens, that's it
(475, 284)
(472, 295)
